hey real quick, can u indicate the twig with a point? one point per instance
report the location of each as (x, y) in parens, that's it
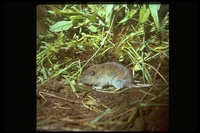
(51, 95)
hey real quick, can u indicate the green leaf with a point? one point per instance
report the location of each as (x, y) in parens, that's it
(121, 58)
(147, 93)
(109, 9)
(133, 114)
(71, 83)
(108, 111)
(144, 14)
(108, 15)
(154, 13)
(92, 28)
(60, 26)
(129, 14)
(137, 67)
(150, 105)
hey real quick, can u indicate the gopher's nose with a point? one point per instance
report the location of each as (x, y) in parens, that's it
(81, 80)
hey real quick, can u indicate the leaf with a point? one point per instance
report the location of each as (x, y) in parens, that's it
(129, 14)
(137, 67)
(108, 111)
(71, 83)
(154, 13)
(101, 11)
(108, 9)
(150, 105)
(93, 7)
(60, 26)
(109, 14)
(144, 14)
(147, 93)
(121, 58)
(92, 28)
(133, 114)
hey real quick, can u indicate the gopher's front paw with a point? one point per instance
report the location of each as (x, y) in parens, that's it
(97, 87)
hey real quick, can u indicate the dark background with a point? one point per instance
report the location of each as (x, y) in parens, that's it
(19, 66)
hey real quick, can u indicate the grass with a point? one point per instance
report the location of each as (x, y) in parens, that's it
(99, 41)
(80, 35)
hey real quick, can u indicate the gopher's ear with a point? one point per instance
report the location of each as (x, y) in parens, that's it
(89, 65)
(92, 64)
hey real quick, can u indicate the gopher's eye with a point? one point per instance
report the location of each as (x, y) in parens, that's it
(92, 73)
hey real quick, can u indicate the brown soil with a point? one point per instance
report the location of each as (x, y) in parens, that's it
(60, 109)
(144, 109)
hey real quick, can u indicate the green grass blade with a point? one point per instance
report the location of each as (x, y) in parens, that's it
(108, 111)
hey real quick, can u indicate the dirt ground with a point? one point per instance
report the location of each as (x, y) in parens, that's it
(60, 109)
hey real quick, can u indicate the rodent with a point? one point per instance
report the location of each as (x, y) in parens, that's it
(109, 74)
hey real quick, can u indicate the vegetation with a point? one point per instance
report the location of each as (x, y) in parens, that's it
(135, 35)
